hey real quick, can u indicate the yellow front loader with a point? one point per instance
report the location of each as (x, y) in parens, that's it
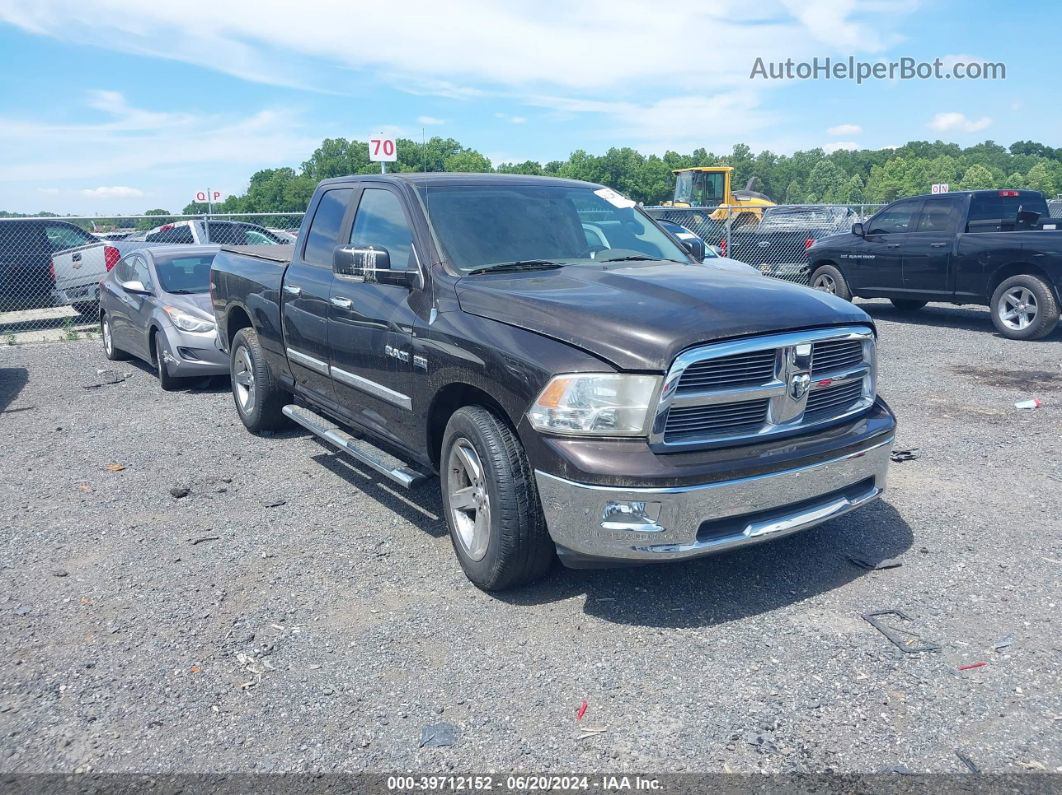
(709, 186)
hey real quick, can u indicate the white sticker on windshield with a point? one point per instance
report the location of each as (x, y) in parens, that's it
(613, 198)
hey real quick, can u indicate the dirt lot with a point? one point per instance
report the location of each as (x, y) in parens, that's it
(291, 613)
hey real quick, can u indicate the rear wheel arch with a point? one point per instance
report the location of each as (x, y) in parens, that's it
(235, 319)
(1005, 272)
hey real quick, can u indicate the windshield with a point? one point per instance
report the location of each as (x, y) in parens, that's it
(184, 275)
(799, 217)
(484, 226)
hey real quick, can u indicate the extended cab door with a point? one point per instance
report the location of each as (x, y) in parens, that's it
(371, 323)
(306, 291)
(927, 250)
(873, 266)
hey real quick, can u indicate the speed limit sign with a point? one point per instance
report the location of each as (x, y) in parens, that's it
(383, 150)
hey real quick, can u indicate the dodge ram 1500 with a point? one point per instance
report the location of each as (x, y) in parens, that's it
(582, 385)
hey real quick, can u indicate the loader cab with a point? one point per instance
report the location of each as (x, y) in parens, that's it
(702, 187)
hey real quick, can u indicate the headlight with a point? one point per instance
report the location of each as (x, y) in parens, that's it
(597, 404)
(188, 322)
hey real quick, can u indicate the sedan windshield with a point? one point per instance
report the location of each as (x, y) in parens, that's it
(483, 227)
(184, 275)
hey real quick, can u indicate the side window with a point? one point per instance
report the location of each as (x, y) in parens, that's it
(61, 236)
(323, 235)
(381, 222)
(123, 271)
(939, 216)
(140, 271)
(175, 234)
(901, 217)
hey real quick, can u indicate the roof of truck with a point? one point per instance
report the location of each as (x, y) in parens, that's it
(459, 178)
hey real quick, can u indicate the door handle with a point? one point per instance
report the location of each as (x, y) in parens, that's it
(76, 258)
(764, 243)
(292, 289)
(937, 245)
(340, 301)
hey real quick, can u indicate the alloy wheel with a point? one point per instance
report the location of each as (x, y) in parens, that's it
(1017, 308)
(468, 498)
(243, 380)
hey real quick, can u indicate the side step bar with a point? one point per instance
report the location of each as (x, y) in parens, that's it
(362, 452)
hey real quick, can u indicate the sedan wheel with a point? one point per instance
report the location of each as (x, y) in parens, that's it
(243, 379)
(111, 352)
(469, 500)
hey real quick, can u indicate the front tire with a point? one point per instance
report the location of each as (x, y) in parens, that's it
(168, 382)
(491, 503)
(1024, 308)
(258, 396)
(907, 304)
(113, 353)
(830, 280)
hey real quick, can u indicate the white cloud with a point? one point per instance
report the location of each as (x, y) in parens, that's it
(430, 121)
(949, 61)
(845, 129)
(113, 192)
(958, 122)
(836, 146)
(440, 52)
(518, 119)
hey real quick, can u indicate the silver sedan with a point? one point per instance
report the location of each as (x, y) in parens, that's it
(155, 305)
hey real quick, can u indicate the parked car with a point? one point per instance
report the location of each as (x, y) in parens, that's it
(155, 305)
(994, 247)
(777, 246)
(712, 254)
(614, 405)
(78, 271)
(26, 249)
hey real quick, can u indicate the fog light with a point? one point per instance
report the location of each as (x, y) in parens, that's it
(636, 516)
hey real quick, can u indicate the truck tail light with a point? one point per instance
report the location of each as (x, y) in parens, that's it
(51, 269)
(110, 257)
(1008, 193)
(722, 246)
(808, 243)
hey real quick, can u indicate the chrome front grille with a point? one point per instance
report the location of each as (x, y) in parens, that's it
(741, 369)
(746, 390)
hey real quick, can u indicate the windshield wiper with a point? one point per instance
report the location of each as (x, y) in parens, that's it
(636, 258)
(518, 265)
(186, 292)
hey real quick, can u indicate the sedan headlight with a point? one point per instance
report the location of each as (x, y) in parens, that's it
(595, 404)
(188, 322)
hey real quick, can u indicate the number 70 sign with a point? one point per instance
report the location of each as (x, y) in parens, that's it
(383, 150)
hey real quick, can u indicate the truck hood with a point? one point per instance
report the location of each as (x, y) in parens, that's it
(640, 318)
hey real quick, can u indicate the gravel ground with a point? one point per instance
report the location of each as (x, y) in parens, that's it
(293, 614)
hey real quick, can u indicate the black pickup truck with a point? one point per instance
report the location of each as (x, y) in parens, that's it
(579, 381)
(994, 247)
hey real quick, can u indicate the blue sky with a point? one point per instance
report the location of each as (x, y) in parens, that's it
(121, 105)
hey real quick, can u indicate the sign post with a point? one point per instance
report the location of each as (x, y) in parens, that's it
(382, 150)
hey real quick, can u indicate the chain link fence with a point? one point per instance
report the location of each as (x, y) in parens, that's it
(774, 239)
(51, 266)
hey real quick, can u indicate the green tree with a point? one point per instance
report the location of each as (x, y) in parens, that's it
(158, 218)
(826, 183)
(467, 160)
(1040, 178)
(977, 177)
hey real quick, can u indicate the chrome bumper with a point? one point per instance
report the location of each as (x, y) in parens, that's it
(648, 524)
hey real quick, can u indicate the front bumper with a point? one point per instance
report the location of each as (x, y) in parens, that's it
(190, 354)
(607, 525)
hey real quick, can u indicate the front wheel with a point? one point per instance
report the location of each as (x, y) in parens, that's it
(491, 503)
(1024, 308)
(259, 398)
(830, 280)
(168, 382)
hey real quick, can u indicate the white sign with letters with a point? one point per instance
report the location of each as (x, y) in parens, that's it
(211, 196)
(940, 187)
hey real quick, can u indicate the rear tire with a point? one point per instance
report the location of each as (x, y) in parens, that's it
(168, 382)
(907, 304)
(259, 398)
(107, 335)
(830, 280)
(1024, 308)
(483, 470)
